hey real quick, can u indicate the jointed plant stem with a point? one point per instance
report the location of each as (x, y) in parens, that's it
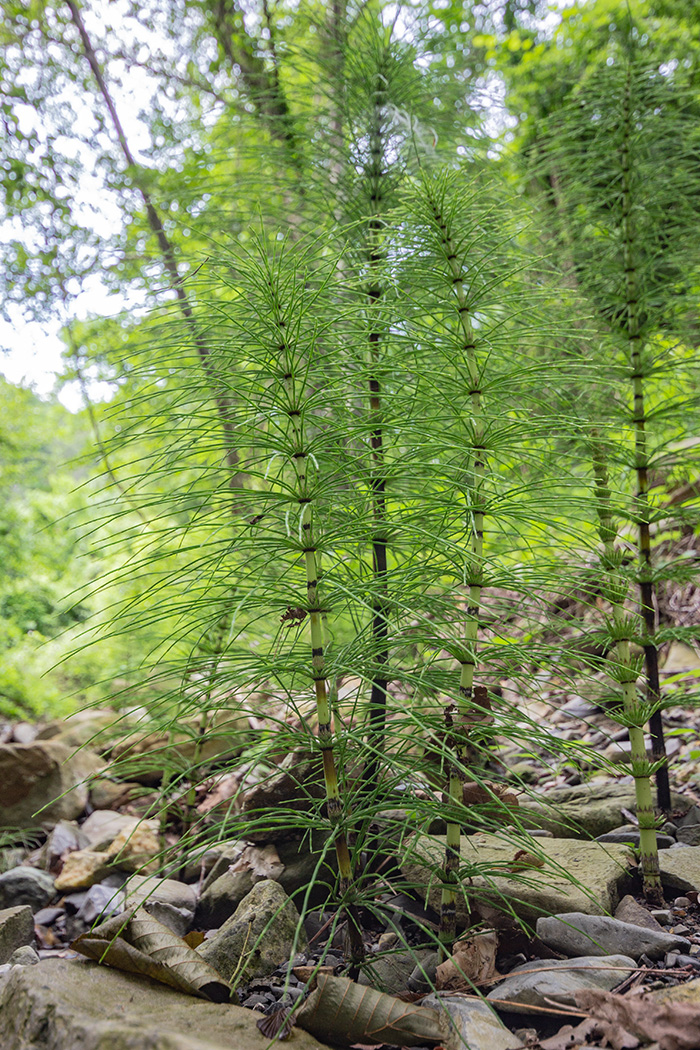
(627, 674)
(457, 720)
(634, 339)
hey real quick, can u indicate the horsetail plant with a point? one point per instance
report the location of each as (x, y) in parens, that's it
(625, 671)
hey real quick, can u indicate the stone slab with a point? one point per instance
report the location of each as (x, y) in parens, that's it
(535, 984)
(43, 782)
(477, 1025)
(588, 809)
(63, 1004)
(587, 873)
(680, 868)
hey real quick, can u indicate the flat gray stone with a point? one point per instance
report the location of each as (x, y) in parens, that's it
(74, 1005)
(25, 885)
(16, 930)
(689, 834)
(589, 809)
(24, 956)
(581, 876)
(680, 868)
(477, 1025)
(533, 983)
(631, 834)
(264, 931)
(576, 934)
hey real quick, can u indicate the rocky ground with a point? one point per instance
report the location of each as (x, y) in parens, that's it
(114, 934)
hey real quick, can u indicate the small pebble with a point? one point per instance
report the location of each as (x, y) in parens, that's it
(255, 1000)
(663, 916)
(681, 902)
(680, 930)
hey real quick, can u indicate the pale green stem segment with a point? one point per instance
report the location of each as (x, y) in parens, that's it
(627, 674)
(457, 720)
(634, 338)
(318, 665)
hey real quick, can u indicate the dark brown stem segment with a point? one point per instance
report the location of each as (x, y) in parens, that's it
(167, 250)
(646, 586)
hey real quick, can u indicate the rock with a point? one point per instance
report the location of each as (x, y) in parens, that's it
(575, 934)
(691, 816)
(680, 993)
(102, 827)
(83, 1006)
(662, 915)
(144, 756)
(137, 847)
(16, 930)
(477, 1025)
(65, 838)
(81, 869)
(100, 902)
(24, 732)
(591, 809)
(629, 833)
(172, 903)
(628, 910)
(391, 973)
(422, 977)
(533, 983)
(43, 782)
(680, 869)
(24, 956)
(25, 885)
(264, 931)
(689, 834)
(596, 868)
(91, 726)
(220, 900)
(110, 794)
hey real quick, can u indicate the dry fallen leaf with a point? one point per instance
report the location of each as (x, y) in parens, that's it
(340, 1011)
(263, 861)
(598, 1032)
(481, 794)
(524, 860)
(136, 942)
(673, 1025)
(473, 962)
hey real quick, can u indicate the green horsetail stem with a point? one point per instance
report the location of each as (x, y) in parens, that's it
(626, 674)
(318, 662)
(458, 716)
(634, 338)
(375, 292)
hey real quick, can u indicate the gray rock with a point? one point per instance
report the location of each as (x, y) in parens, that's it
(391, 973)
(422, 977)
(680, 868)
(24, 956)
(628, 910)
(221, 898)
(662, 915)
(691, 816)
(574, 933)
(16, 930)
(629, 833)
(264, 931)
(689, 834)
(43, 782)
(100, 902)
(591, 809)
(63, 1004)
(477, 1025)
(25, 885)
(533, 983)
(102, 827)
(584, 875)
(64, 838)
(140, 888)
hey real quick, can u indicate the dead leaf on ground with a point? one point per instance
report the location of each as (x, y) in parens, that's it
(263, 861)
(480, 794)
(138, 943)
(473, 962)
(524, 860)
(598, 1032)
(673, 1025)
(310, 973)
(340, 1011)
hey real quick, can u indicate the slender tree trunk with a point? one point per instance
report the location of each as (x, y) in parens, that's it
(167, 251)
